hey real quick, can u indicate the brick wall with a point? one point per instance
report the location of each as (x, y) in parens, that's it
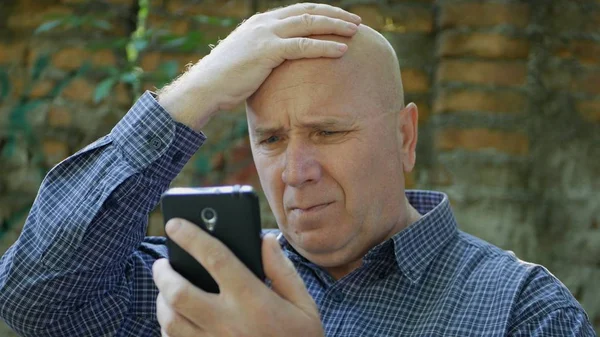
(508, 94)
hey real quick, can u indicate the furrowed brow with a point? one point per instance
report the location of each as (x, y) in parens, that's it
(327, 123)
(260, 132)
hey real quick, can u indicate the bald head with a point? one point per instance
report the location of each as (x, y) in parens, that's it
(369, 65)
(328, 134)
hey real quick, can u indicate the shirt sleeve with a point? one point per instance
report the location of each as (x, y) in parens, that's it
(73, 270)
(565, 322)
(545, 307)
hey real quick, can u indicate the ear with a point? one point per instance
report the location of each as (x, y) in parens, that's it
(408, 120)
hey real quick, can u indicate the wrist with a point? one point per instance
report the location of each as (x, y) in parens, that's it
(188, 102)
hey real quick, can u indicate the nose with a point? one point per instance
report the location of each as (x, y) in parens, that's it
(301, 164)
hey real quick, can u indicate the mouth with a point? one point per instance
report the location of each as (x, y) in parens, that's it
(310, 209)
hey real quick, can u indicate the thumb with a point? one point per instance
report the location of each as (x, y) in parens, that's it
(285, 281)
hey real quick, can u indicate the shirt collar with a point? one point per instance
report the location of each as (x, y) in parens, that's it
(415, 246)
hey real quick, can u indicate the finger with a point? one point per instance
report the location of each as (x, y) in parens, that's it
(285, 281)
(182, 296)
(173, 324)
(317, 9)
(303, 47)
(306, 25)
(228, 271)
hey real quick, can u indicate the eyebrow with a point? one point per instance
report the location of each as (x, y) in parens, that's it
(321, 124)
(260, 132)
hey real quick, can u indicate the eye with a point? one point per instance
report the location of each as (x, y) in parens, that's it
(271, 140)
(328, 133)
(330, 137)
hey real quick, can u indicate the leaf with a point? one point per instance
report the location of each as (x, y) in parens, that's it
(102, 24)
(40, 64)
(4, 84)
(187, 43)
(175, 42)
(13, 220)
(169, 68)
(129, 77)
(140, 44)
(76, 21)
(229, 22)
(240, 129)
(143, 13)
(85, 67)
(17, 118)
(132, 53)
(103, 89)
(194, 39)
(116, 43)
(202, 164)
(216, 21)
(61, 85)
(47, 26)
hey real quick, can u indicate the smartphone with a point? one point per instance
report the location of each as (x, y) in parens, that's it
(228, 213)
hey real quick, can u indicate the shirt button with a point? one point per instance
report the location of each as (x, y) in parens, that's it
(155, 143)
(337, 297)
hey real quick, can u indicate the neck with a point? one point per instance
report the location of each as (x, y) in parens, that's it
(412, 215)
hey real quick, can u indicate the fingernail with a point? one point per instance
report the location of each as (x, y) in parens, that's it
(173, 225)
(356, 17)
(352, 27)
(343, 47)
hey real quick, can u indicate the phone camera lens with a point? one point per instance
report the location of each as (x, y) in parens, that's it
(209, 214)
(209, 217)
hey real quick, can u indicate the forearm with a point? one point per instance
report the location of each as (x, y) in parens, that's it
(190, 99)
(90, 215)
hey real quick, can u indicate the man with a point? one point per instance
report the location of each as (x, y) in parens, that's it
(331, 139)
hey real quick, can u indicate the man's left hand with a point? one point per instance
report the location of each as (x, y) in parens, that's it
(245, 306)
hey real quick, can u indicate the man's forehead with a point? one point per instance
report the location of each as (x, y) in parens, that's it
(366, 77)
(303, 113)
(318, 89)
(266, 126)
(321, 75)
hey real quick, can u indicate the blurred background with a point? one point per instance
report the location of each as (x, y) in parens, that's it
(508, 93)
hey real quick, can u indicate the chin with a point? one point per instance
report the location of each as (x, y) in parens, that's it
(320, 246)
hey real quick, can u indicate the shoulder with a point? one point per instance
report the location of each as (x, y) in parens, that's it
(479, 259)
(531, 289)
(485, 258)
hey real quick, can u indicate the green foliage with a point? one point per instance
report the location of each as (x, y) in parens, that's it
(186, 43)
(62, 84)
(103, 89)
(41, 63)
(141, 40)
(216, 21)
(4, 84)
(69, 22)
(169, 69)
(18, 122)
(48, 26)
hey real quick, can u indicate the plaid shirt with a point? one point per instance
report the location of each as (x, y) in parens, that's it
(82, 266)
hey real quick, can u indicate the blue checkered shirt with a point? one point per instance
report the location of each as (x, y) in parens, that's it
(82, 264)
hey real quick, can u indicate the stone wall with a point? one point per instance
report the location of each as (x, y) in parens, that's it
(508, 93)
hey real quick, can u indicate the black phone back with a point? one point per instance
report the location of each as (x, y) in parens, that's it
(237, 225)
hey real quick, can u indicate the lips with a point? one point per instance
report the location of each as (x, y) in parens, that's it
(311, 208)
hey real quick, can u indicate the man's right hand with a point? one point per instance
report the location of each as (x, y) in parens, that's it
(237, 67)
